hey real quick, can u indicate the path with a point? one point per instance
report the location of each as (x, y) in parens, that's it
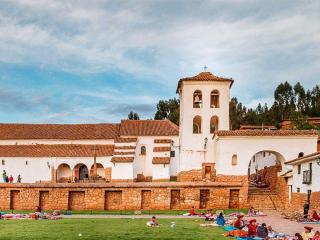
(273, 218)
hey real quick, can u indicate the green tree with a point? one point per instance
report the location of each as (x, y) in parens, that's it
(168, 109)
(284, 103)
(133, 116)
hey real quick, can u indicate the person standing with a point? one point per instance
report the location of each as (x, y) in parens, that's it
(306, 208)
(4, 176)
(11, 179)
(19, 179)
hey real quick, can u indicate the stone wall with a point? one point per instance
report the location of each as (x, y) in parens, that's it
(121, 196)
(298, 200)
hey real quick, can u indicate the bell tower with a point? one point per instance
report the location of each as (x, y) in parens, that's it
(204, 109)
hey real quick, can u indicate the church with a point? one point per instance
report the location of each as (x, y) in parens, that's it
(154, 164)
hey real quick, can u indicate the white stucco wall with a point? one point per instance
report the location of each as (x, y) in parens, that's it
(143, 163)
(37, 168)
(245, 147)
(297, 179)
(122, 171)
(160, 171)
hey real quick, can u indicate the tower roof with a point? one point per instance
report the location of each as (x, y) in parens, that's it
(204, 76)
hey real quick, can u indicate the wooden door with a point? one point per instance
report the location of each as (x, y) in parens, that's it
(15, 200)
(175, 199)
(234, 198)
(146, 199)
(204, 198)
(44, 200)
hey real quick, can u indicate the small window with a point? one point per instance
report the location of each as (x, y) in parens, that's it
(143, 150)
(301, 154)
(299, 169)
(264, 154)
(172, 153)
(197, 124)
(234, 159)
(3, 162)
(213, 124)
(298, 189)
(26, 162)
(197, 99)
(306, 177)
(214, 101)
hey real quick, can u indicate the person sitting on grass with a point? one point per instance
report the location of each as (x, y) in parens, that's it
(307, 233)
(239, 223)
(192, 212)
(209, 216)
(316, 236)
(251, 211)
(153, 222)
(262, 231)
(220, 220)
(38, 209)
(298, 236)
(252, 228)
(315, 217)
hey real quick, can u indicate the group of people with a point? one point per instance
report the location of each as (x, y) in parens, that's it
(308, 234)
(7, 179)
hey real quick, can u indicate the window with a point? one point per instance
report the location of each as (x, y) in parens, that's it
(264, 154)
(214, 100)
(234, 159)
(299, 169)
(3, 162)
(213, 124)
(197, 124)
(300, 154)
(172, 153)
(26, 162)
(197, 99)
(306, 177)
(298, 189)
(143, 150)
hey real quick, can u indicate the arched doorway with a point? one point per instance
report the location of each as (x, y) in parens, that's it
(81, 172)
(264, 169)
(64, 173)
(100, 170)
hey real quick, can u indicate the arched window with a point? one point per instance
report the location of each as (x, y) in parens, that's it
(300, 154)
(214, 99)
(234, 160)
(197, 124)
(143, 150)
(214, 122)
(197, 99)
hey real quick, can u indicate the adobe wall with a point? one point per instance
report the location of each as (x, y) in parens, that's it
(120, 196)
(298, 200)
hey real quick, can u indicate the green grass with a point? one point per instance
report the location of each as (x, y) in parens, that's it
(130, 212)
(101, 229)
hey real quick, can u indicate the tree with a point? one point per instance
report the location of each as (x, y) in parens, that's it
(300, 96)
(133, 116)
(168, 109)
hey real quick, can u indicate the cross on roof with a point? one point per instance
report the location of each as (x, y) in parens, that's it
(205, 68)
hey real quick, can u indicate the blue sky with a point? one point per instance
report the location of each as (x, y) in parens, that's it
(94, 61)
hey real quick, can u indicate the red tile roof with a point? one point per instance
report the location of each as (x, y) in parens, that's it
(58, 131)
(304, 158)
(161, 149)
(122, 159)
(124, 147)
(148, 128)
(162, 141)
(55, 150)
(160, 160)
(267, 133)
(125, 140)
(204, 76)
(123, 153)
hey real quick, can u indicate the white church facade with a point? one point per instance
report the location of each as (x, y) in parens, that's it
(202, 146)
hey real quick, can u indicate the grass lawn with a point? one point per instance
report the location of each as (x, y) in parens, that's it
(67, 229)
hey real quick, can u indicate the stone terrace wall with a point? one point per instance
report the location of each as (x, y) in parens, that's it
(121, 196)
(298, 200)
